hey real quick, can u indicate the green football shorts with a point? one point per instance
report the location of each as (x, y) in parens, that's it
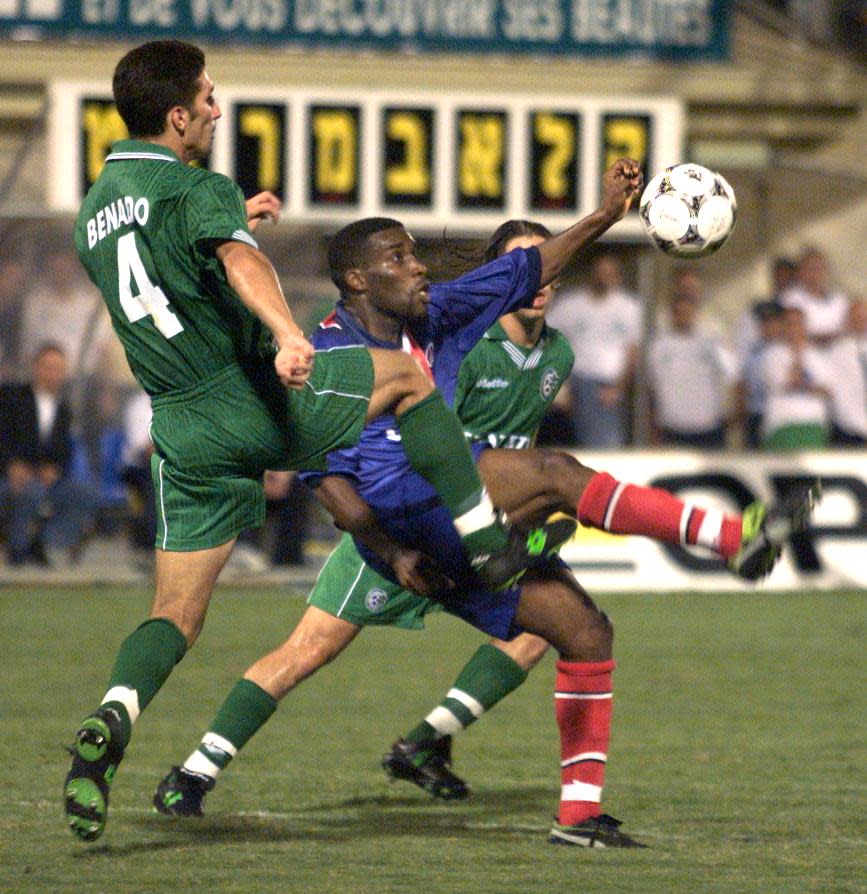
(350, 589)
(214, 441)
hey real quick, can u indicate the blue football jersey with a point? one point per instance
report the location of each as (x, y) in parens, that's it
(459, 314)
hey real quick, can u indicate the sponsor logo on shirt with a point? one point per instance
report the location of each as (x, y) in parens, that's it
(492, 383)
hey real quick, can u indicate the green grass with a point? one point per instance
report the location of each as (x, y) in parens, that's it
(738, 754)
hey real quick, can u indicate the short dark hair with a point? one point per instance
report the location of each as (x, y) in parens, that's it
(153, 78)
(511, 229)
(346, 249)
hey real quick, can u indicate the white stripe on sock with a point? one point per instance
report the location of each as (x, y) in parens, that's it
(583, 696)
(127, 697)
(475, 707)
(612, 505)
(482, 515)
(443, 721)
(585, 756)
(198, 763)
(710, 529)
(581, 791)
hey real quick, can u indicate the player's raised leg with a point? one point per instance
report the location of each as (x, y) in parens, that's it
(146, 658)
(317, 639)
(434, 443)
(424, 756)
(529, 484)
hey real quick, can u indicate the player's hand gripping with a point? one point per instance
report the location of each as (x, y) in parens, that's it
(263, 206)
(294, 360)
(621, 184)
(419, 573)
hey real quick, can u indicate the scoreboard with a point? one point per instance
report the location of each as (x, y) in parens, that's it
(463, 160)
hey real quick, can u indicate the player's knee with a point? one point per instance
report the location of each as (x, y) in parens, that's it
(593, 635)
(525, 650)
(562, 466)
(532, 652)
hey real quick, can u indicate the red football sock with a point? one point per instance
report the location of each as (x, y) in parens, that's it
(622, 508)
(583, 708)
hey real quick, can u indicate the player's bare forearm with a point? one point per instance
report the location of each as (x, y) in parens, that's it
(253, 277)
(621, 183)
(413, 570)
(352, 514)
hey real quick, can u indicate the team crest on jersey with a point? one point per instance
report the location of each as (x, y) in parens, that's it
(549, 383)
(376, 600)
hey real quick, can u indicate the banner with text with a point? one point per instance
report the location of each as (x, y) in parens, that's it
(830, 554)
(463, 161)
(677, 29)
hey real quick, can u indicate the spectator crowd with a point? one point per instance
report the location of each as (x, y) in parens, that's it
(74, 444)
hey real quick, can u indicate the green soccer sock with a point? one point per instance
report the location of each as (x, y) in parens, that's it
(434, 443)
(144, 661)
(487, 678)
(245, 710)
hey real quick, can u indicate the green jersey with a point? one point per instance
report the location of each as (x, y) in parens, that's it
(504, 390)
(146, 235)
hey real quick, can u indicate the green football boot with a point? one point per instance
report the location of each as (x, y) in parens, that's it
(97, 751)
(767, 528)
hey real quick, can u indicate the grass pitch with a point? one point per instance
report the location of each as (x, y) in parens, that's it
(738, 755)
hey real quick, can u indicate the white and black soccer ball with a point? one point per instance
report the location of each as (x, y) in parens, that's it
(688, 211)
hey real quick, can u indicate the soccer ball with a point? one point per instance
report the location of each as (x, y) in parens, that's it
(688, 210)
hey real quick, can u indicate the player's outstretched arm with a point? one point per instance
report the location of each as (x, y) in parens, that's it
(253, 277)
(621, 183)
(414, 570)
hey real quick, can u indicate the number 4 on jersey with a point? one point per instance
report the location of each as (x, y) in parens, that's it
(150, 300)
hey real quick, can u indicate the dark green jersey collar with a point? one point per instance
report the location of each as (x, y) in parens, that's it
(123, 150)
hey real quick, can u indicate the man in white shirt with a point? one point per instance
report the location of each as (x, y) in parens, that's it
(798, 380)
(848, 359)
(603, 323)
(825, 309)
(690, 376)
(64, 309)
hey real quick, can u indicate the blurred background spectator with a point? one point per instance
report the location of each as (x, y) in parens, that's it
(798, 380)
(44, 507)
(825, 309)
(63, 308)
(690, 374)
(13, 277)
(136, 475)
(751, 395)
(603, 323)
(846, 357)
(747, 328)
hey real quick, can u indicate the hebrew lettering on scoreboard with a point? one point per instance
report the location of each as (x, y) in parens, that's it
(463, 161)
(408, 156)
(481, 159)
(99, 126)
(554, 160)
(627, 135)
(259, 140)
(333, 154)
